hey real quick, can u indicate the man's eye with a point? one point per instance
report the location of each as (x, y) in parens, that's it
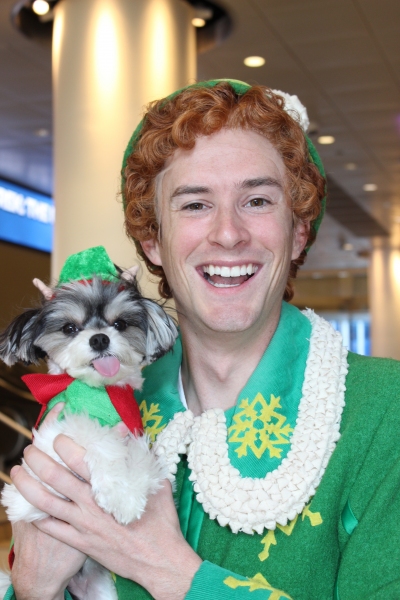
(70, 329)
(257, 202)
(120, 325)
(195, 206)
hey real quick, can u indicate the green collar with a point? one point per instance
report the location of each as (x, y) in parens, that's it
(261, 423)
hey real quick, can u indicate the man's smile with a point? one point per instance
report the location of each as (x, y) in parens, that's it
(225, 277)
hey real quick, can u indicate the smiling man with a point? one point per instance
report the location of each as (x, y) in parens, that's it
(282, 445)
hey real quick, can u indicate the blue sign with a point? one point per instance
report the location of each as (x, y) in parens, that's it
(26, 217)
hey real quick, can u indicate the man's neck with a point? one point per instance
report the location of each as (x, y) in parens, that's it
(215, 368)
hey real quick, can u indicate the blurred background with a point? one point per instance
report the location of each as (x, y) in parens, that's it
(74, 77)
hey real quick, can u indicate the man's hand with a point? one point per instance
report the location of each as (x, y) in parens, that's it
(151, 551)
(43, 565)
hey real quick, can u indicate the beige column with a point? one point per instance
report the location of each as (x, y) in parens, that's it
(384, 284)
(110, 57)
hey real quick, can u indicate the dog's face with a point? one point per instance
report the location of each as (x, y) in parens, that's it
(102, 333)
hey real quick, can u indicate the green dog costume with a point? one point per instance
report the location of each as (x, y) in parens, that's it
(109, 404)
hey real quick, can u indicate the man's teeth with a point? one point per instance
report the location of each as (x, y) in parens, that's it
(235, 271)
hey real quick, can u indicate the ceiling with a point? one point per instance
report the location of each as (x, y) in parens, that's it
(341, 57)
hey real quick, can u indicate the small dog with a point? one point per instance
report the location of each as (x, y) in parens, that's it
(96, 334)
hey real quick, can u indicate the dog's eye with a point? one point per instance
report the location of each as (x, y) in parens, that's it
(120, 325)
(70, 329)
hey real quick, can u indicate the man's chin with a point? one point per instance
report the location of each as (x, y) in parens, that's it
(230, 321)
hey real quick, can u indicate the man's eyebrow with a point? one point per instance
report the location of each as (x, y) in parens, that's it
(182, 190)
(258, 182)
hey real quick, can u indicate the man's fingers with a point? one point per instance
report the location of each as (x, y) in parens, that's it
(52, 415)
(60, 530)
(38, 495)
(55, 475)
(73, 455)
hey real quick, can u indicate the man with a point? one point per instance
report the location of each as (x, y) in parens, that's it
(223, 194)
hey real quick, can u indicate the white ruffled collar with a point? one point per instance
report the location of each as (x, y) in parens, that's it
(254, 504)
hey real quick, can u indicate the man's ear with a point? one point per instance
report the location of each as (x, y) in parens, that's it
(300, 237)
(151, 248)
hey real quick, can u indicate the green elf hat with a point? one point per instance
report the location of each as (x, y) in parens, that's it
(292, 106)
(84, 265)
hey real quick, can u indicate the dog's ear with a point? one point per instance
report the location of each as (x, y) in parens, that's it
(161, 331)
(43, 288)
(17, 341)
(131, 274)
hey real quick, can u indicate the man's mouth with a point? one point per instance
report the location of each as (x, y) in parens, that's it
(224, 277)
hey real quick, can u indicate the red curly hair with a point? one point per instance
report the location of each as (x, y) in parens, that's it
(196, 111)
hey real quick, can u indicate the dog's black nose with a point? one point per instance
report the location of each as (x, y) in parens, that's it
(99, 342)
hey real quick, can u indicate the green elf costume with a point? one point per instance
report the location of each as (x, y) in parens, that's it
(294, 492)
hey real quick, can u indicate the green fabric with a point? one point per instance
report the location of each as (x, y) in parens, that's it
(271, 417)
(316, 159)
(280, 373)
(190, 511)
(96, 401)
(85, 264)
(212, 581)
(349, 521)
(240, 88)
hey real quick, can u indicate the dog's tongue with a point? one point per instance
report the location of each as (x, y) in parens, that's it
(108, 366)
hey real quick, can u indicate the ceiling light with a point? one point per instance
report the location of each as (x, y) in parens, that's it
(40, 7)
(254, 61)
(350, 166)
(343, 274)
(316, 275)
(370, 187)
(326, 139)
(198, 22)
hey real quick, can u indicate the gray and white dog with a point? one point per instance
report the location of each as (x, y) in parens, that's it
(101, 333)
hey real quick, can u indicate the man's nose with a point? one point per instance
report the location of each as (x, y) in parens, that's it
(228, 229)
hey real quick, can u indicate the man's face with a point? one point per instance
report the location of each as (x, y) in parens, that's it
(227, 231)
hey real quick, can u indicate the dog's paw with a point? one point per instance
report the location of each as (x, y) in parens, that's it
(122, 485)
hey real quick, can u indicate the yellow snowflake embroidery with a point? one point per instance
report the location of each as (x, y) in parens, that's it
(258, 582)
(270, 539)
(151, 419)
(260, 427)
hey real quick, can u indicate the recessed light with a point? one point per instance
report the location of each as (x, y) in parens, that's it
(370, 187)
(40, 7)
(254, 61)
(198, 22)
(316, 275)
(343, 274)
(350, 166)
(326, 139)
(42, 132)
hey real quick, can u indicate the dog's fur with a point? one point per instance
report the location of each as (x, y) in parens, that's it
(123, 470)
